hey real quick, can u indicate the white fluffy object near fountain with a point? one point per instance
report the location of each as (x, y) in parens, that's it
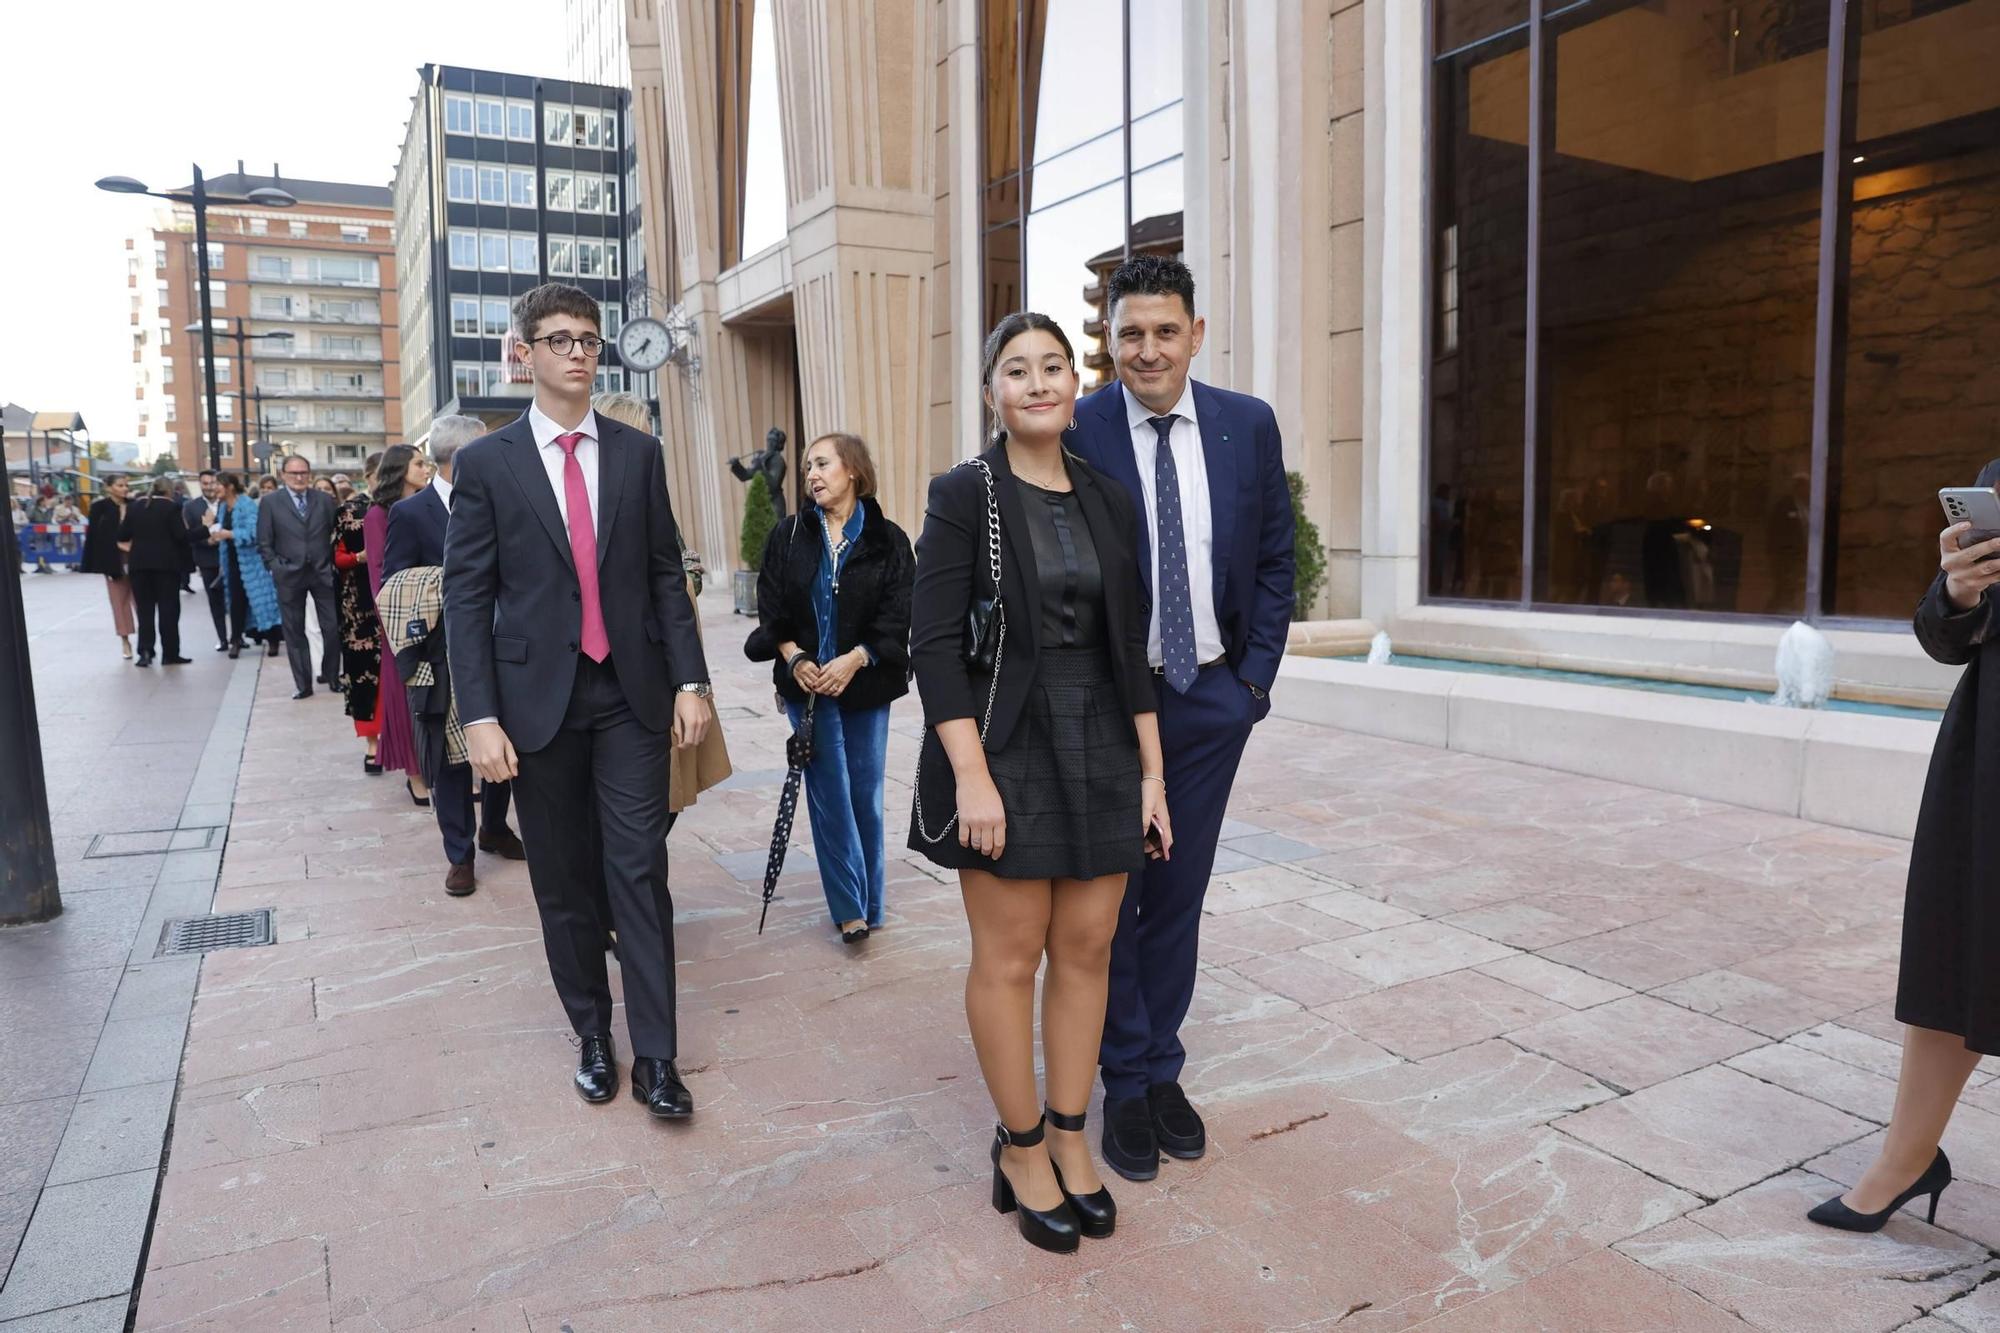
(1805, 668)
(1378, 648)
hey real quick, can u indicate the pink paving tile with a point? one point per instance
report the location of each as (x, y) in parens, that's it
(1854, 964)
(1713, 1131)
(1504, 1209)
(1758, 1005)
(1301, 977)
(1408, 953)
(1637, 1041)
(1357, 909)
(1424, 1018)
(1668, 948)
(1564, 985)
(1472, 1093)
(1844, 1087)
(1522, 924)
(1602, 1292)
(1968, 1208)
(1755, 1254)
(1377, 864)
(280, 1287)
(1269, 930)
(1259, 887)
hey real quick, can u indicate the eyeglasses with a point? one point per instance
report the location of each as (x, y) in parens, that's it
(560, 343)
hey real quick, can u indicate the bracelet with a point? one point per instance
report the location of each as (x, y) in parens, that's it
(792, 666)
(1148, 777)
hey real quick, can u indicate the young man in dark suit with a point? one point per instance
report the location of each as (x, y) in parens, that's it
(201, 517)
(573, 656)
(417, 527)
(1206, 469)
(295, 536)
(154, 538)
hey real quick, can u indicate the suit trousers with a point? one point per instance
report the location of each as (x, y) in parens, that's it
(593, 807)
(451, 797)
(158, 595)
(293, 589)
(1154, 953)
(218, 603)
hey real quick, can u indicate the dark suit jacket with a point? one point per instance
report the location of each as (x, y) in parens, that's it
(194, 518)
(297, 550)
(157, 533)
(512, 609)
(100, 540)
(417, 526)
(1250, 508)
(953, 568)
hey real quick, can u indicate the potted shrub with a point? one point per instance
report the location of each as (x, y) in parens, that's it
(759, 517)
(1308, 556)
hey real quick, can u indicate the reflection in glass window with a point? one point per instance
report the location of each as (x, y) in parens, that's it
(459, 185)
(465, 316)
(464, 248)
(1061, 242)
(521, 122)
(492, 185)
(524, 251)
(589, 194)
(589, 259)
(555, 124)
(497, 316)
(562, 256)
(465, 379)
(521, 187)
(560, 186)
(492, 118)
(493, 251)
(457, 114)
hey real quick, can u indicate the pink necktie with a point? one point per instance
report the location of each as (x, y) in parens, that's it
(583, 549)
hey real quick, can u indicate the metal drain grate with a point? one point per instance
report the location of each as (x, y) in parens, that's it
(223, 930)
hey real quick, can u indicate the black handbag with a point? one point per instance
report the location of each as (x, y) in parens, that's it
(986, 621)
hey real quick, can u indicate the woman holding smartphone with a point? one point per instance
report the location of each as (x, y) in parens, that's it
(1948, 994)
(1040, 777)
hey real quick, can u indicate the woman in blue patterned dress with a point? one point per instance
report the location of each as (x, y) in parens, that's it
(250, 595)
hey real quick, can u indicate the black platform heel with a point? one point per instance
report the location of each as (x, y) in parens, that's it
(1096, 1212)
(1834, 1213)
(1055, 1230)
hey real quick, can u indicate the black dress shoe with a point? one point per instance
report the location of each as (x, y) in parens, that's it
(1096, 1212)
(1834, 1213)
(1054, 1230)
(596, 1072)
(302, 694)
(175, 661)
(658, 1084)
(1176, 1127)
(505, 843)
(143, 660)
(271, 648)
(1129, 1146)
(235, 651)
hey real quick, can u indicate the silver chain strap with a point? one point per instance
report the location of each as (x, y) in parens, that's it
(999, 651)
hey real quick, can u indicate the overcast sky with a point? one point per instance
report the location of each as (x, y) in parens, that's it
(117, 87)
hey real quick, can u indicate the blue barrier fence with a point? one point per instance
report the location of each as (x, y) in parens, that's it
(55, 543)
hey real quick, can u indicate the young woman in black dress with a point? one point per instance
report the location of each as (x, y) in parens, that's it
(1948, 995)
(1040, 781)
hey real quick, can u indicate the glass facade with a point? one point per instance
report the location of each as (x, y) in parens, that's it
(1076, 164)
(1691, 350)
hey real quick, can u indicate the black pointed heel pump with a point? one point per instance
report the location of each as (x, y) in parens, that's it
(1096, 1212)
(1055, 1230)
(1834, 1213)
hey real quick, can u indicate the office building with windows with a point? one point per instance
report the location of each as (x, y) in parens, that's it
(313, 286)
(505, 181)
(1616, 333)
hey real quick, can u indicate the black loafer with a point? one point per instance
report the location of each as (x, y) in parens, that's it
(658, 1084)
(1129, 1146)
(596, 1074)
(1176, 1127)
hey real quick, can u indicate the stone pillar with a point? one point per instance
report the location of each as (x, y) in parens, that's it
(859, 82)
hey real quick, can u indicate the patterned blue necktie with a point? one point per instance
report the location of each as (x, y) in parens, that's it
(1176, 604)
(299, 502)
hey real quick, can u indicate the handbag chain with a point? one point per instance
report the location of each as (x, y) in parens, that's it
(999, 649)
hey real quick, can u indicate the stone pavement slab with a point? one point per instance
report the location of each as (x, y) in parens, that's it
(1479, 1047)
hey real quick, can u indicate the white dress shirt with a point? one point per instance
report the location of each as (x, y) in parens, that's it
(443, 488)
(1197, 519)
(546, 430)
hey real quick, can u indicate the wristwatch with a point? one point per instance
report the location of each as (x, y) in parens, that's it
(698, 688)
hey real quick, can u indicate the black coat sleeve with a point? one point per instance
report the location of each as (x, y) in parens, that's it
(1949, 635)
(471, 585)
(687, 663)
(773, 617)
(941, 595)
(887, 634)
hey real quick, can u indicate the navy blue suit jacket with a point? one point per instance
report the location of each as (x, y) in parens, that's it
(417, 526)
(1250, 509)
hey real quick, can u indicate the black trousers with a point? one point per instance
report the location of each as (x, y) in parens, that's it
(292, 593)
(451, 797)
(218, 606)
(607, 766)
(157, 594)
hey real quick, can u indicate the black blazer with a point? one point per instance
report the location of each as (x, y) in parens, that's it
(100, 539)
(194, 516)
(952, 567)
(417, 525)
(513, 612)
(872, 609)
(158, 535)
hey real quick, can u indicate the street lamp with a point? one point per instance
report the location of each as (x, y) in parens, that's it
(197, 197)
(242, 375)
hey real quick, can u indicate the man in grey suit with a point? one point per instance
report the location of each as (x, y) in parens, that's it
(295, 535)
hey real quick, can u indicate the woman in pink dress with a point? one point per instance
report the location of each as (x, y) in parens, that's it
(402, 473)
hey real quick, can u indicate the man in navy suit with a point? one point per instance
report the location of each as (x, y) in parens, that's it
(1206, 469)
(417, 527)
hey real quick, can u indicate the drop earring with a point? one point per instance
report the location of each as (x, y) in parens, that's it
(1072, 423)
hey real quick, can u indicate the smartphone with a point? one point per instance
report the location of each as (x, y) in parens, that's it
(1977, 505)
(1155, 850)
